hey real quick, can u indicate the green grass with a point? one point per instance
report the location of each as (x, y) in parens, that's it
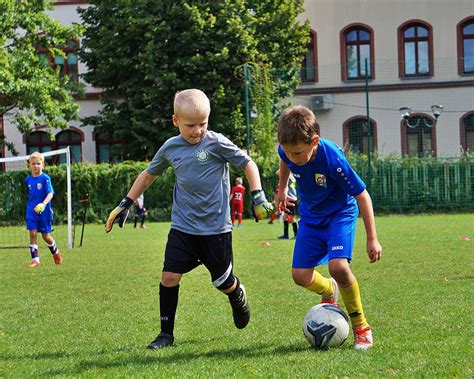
(94, 316)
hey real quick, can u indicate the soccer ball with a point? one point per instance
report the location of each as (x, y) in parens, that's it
(325, 326)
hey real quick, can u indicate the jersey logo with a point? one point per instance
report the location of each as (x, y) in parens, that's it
(320, 180)
(202, 156)
(39, 186)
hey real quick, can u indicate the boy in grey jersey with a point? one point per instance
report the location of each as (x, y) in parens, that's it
(200, 218)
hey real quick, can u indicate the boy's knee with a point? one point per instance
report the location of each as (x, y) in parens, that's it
(170, 279)
(302, 278)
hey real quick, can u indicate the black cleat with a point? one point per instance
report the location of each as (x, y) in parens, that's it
(161, 341)
(241, 310)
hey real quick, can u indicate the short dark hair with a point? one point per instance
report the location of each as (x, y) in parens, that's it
(296, 124)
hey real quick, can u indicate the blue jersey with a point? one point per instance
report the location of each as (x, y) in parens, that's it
(326, 185)
(38, 189)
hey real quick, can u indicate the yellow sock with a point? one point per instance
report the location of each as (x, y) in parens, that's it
(321, 285)
(353, 302)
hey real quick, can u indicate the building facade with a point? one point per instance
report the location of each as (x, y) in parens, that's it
(390, 53)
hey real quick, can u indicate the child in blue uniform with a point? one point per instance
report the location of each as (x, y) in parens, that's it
(39, 213)
(201, 227)
(331, 195)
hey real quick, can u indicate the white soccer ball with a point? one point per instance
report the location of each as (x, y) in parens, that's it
(325, 326)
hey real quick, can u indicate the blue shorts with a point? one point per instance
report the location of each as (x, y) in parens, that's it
(42, 226)
(318, 244)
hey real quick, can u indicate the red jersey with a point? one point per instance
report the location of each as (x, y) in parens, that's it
(237, 194)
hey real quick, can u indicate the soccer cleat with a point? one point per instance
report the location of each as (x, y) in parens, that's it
(363, 337)
(58, 259)
(34, 264)
(143, 227)
(333, 298)
(161, 341)
(284, 237)
(241, 310)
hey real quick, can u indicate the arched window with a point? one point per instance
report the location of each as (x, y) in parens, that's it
(38, 141)
(467, 132)
(357, 45)
(72, 139)
(107, 150)
(356, 133)
(465, 36)
(418, 135)
(309, 69)
(415, 49)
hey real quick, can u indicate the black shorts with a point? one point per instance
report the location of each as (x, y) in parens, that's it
(184, 252)
(291, 210)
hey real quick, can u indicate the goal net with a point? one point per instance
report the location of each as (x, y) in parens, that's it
(14, 196)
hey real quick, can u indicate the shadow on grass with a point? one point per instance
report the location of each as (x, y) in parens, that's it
(170, 356)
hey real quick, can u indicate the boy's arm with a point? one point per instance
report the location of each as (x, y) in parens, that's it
(121, 211)
(374, 249)
(40, 207)
(260, 205)
(283, 200)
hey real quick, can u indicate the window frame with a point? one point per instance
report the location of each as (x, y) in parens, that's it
(460, 43)
(104, 141)
(313, 45)
(404, 135)
(401, 49)
(66, 50)
(343, 51)
(462, 130)
(346, 126)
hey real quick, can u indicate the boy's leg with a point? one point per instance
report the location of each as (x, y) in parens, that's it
(135, 221)
(285, 230)
(295, 228)
(362, 331)
(142, 224)
(238, 301)
(53, 248)
(168, 305)
(35, 259)
(315, 282)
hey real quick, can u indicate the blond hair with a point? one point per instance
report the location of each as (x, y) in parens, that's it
(36, 155)
(191, 100)
(238, 181)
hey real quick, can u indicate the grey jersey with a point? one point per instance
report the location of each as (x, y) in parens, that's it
(202, 187)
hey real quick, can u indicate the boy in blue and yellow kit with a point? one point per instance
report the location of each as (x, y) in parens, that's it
(331, 195)
(39, 213)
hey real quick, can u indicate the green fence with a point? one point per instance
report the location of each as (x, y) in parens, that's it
(397, 185)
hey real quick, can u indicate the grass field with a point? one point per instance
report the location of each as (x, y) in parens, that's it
(94, 315)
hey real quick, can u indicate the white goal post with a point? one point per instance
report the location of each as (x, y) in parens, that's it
(66, 151)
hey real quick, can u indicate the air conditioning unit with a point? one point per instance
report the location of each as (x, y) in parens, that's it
(321, 102)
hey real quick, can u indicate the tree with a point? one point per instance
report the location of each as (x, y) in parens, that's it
(31, 92)
(142, 52)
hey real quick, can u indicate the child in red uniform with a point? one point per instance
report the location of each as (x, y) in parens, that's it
(237, 200)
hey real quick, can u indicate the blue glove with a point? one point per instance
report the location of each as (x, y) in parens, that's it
(120, 212)
(261, 207)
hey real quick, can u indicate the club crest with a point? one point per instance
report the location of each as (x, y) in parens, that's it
(320, 180)
(202, 156)
(39, 186)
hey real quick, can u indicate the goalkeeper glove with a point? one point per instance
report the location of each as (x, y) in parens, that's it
(120, 212)
(261, 208)
(40, 208)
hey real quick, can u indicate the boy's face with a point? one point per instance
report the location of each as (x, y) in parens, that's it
(301, 152)
(191, 125)
(36, 166)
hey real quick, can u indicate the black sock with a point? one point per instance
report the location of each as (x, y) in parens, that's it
(143, 220)
(135, 224)
(295, 228)
(236, 295)
(168, 305)
(285, 228)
